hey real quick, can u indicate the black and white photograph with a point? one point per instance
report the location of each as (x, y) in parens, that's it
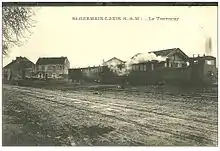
(110, 74)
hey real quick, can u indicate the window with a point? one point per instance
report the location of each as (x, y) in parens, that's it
(145, 67)
(43, 68)
(119, 66)
(53, 67)
(137, 67)
(170, 64)
(187, 63)
(38, 68)
(50, 68)
(210, 62)
(165, 64)
(141, 67)
(195, 61)
(133, 68)
(179, 65)
(57, 67)
(152, 66)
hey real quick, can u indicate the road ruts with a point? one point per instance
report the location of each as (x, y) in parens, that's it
(161, 126)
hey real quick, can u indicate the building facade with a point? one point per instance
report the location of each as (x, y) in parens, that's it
(20, 68)
(113, 62)
(52, 68)
(176, 58)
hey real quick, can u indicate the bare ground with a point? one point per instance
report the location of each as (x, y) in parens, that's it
(34, 116)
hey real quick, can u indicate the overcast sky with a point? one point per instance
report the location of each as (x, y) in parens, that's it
(89, 42)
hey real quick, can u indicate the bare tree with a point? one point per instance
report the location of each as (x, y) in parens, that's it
(16, 23)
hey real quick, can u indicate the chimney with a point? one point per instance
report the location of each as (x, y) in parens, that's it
(19, 58)
(208, 46)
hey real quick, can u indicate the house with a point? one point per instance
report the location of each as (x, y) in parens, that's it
(19, 69)
(176, 58)
(53, 67)
(113, 61)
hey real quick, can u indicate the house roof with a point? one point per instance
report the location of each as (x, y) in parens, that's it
(21, 62)
(113, 59)
(52, 60)
(165, 53)
(10, 64)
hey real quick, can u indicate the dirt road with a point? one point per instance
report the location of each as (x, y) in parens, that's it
(108, 118)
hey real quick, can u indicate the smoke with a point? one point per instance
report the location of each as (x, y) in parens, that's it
(125, 69)
(208, 46)
(145, 57)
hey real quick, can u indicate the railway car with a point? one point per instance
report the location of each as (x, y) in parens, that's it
(203, 70)
(200, 70)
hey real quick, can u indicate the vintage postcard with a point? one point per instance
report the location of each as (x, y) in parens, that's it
(109, 74)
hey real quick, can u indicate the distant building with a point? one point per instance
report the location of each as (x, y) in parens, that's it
(54, 67)
(113, 61)
(19, 69)
(176, 58)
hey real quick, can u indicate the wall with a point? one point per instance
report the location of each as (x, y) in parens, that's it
(176, 61)
(113, 62)
(107, 76)
(86, 74)
(66, 66)
(29, 72)
(17, 71)
(175, 75)
(75, 74)
(142, 78)
(53, 70)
